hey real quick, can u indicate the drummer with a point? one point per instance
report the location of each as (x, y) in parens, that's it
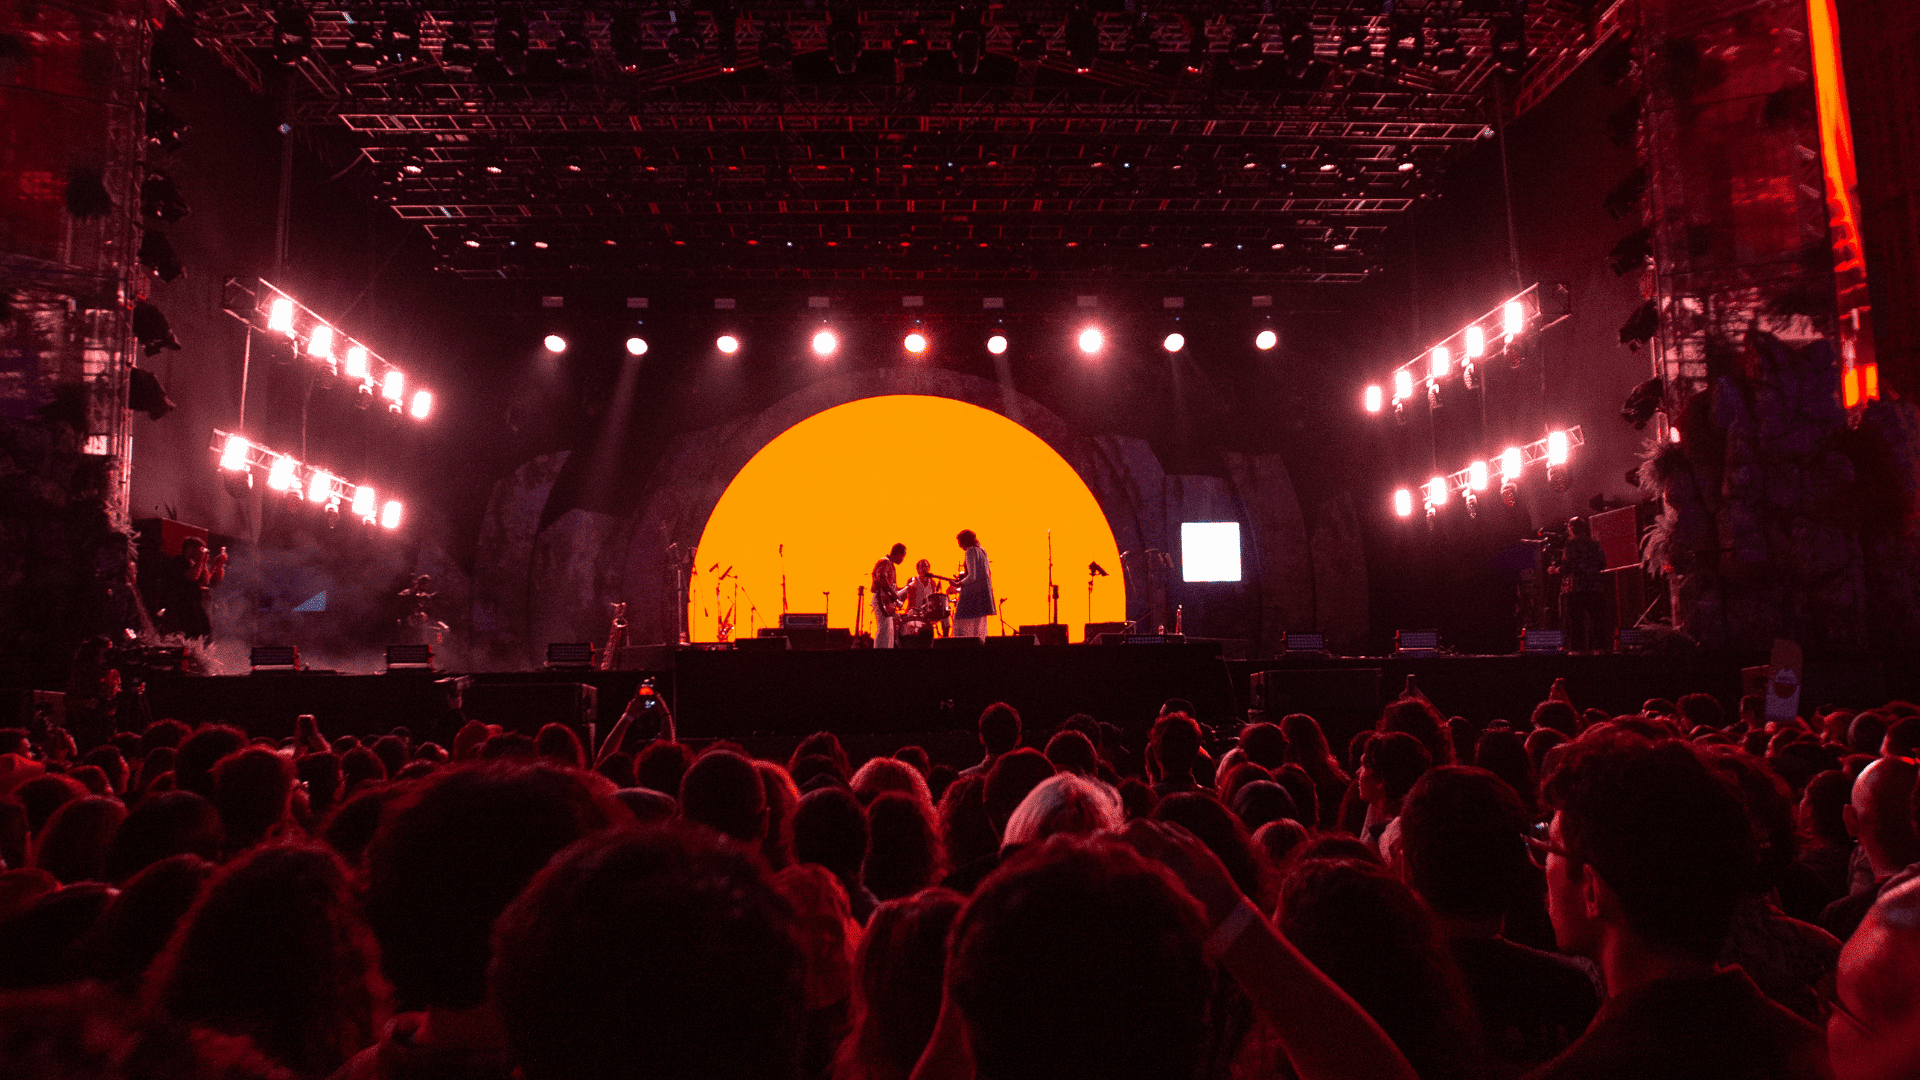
(920, 589)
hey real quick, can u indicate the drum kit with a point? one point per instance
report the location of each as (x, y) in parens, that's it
(935, 611)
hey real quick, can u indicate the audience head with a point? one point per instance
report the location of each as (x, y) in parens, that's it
(1657, 845)
(1137, 798)
(162, 825)
(1306, 795)
(1874, 1027)
(782, 796)
(1263, 801)
(1390, 765)
(1066, 802)
(661, 766)
(1046, 991)
(884, 774)
(999, 728)
(142, 918)
(653, 952)
(1072, 751)
(1306, 743)
(1880, 815)
(617, 767)
(1417, 717)
(903, 850)
(275, 950)
(898, 974)
(1540, 742)
(1278, 840)
(1265, 745)
(392, 752)
(202, 750)
(321, 773)
(448, 857)
(1173, 747)
(1556, 715)
(1769, 805)
(1868, 733)
(360, 768)
(557, 743)
(823, 744)
(113, 764)
(42, 795)
(73, 847)
(1821, 814)
(1225, 835)
(830, 830)
(915, 756)
(1013, 776)
(40, 945)
(1902, 738)
(163, 734)
(723, 791)
(1463, 843)
(965, 829)
(251, 790)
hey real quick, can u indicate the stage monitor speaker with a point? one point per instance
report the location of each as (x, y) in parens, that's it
(1094, 631)
(409, 658)
(1143, 639)
(815, 638)
(1534, 639)
(770, 640)
(577, 655)
(1006, 640)
(1303, 641)
(958, 642)
(275, 658)
(1416, 642)
(1046, 633)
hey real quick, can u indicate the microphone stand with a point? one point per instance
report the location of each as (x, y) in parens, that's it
(783, 581)
(1053, 591)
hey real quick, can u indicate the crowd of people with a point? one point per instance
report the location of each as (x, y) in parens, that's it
(1671, 893)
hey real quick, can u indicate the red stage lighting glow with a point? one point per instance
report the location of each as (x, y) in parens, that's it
(422, 404)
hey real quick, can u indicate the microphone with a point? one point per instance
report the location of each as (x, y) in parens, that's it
(712, 568)
(726, 575)
(1096, 569)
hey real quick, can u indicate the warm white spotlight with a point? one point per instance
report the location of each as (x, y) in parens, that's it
(356, 362)
(1556, 448)
(1510, 462)
(390, 514)
(1092, 340)
(1477, 476)
(825, 342)
(555, 343)
(363, 502)
(1437, 491)
(1403, 503)
(1266, 339)
(636, 346)
(280, 316)
(727, 343)
(1402, 384)
(319, 487)
(1372, 399)
(1175, 342)
(916, 343)
(280, 476)
(394, 387)
(1516, 319)
(233, 456)
(1439, 362)
(422, 404)
(1476, 341)
(997, 344)
(320, 344)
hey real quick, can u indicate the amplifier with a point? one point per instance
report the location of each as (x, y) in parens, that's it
(804, 620)
(1046, 633)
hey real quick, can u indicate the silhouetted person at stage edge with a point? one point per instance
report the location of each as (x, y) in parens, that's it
(1583, 589)
(1648, 853)
(180, 590)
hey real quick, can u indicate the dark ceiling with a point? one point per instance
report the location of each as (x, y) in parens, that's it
(1270, 142)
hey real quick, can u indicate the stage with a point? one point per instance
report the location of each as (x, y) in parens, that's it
(877, 700)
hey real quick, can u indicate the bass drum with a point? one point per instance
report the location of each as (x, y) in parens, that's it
(939, 607)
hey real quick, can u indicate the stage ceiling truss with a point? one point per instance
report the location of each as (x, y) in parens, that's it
(1195, 141)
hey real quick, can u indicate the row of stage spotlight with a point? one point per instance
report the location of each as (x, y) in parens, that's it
(240, 457)
(1090, 340)
(1555, 451)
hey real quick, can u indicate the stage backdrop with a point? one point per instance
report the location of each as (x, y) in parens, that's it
(833, 493)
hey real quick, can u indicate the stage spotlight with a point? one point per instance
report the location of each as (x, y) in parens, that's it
(1266, 339)
(356, 362)
(233, 456)
(1174, 343)
(320, 342)
(1473, 503)
(1403, 503)
(997, 344)
(422, 404)
(1467, 373)
(556, 344)
(1402, 384)
(1439, 362)
(280, 475)
(825, 343)
(1476, 342)
(636, 346)
(319, 487)
(364, 503)
(151, 329)
(390, 514)
(1510, 463)
(916, 343)
(1515, 320)
(1372, 399)
(1556, 448)
(1092, 341)
(1477, 476)
(727, 343)
(1437, 491)
(1399, 410)
(393, 386)
(280, 315)
(157, 254)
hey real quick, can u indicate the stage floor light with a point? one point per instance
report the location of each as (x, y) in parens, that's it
(1266, 339)
(916, 343)
(1092, 341)
(997, 344)
(825, 343)
(727, 343)
(1174, 342)
(636, 346)
(555, 343)
(805, 507)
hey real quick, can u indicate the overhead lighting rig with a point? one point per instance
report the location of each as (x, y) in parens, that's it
(296, 480)
(1503, 331)
(1555, 451)
(287, 323)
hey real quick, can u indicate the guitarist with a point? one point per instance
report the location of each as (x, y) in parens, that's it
(886, 597)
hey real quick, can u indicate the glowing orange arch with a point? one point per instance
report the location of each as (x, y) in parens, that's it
(831, 494)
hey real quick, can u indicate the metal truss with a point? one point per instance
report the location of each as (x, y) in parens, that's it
(609, 134)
